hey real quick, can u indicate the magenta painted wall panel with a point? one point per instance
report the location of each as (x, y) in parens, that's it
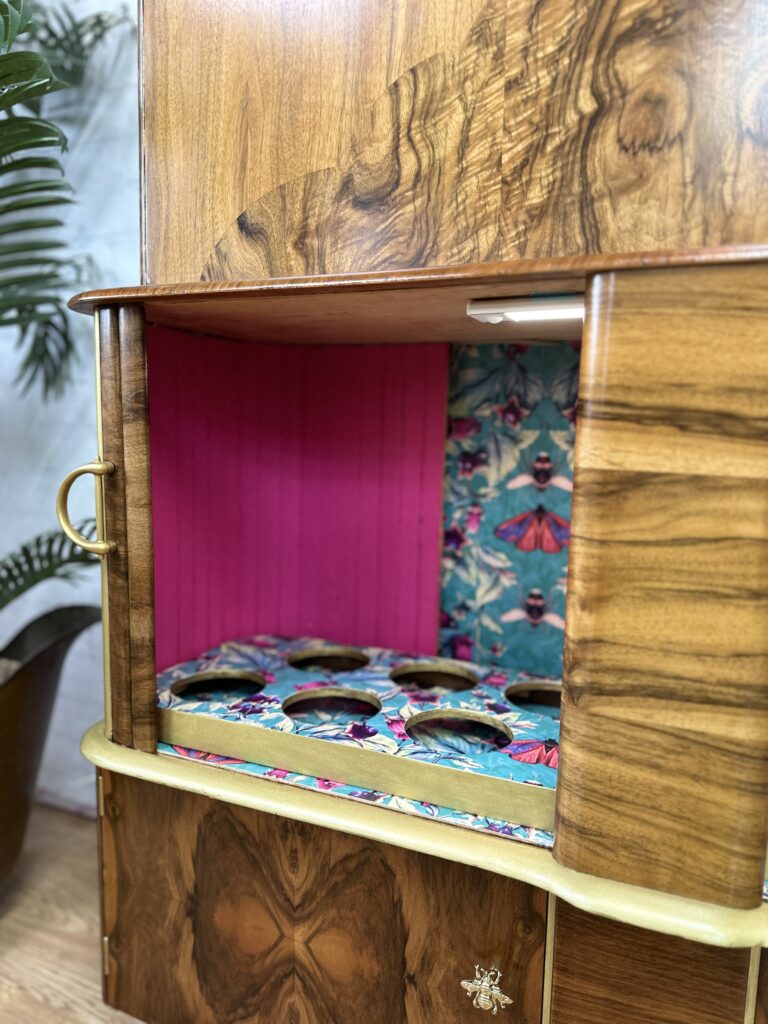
(295, 490)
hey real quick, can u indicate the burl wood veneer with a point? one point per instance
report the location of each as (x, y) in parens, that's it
(664, 758)
(611, 973)
(338, 135)
(217, 914)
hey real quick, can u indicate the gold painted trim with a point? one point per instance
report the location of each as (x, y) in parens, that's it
(750, 1003)
(630, 904)
(181, 686)
(325, 692)
(358, 766)
(319, 653)
(449, 668)
(549, 961)
(459, 715)
(101, 532)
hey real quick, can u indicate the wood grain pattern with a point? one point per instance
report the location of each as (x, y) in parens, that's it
(133, 386)
(523, 276)
(634, 125)
(664, 754)
(128, 522)
(218, 914)
(116, 528)
(606, 972)
(421, 133)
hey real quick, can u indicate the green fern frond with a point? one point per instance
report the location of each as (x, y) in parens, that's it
(50, 555)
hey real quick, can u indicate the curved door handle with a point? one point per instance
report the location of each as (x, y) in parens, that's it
(99, 546)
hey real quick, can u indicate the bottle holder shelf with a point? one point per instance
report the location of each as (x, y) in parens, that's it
(478, 739)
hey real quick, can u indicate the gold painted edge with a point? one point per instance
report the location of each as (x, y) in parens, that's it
(101, 532)
(645, 908)
(750, 1002)
(549, 961)
(356, 766)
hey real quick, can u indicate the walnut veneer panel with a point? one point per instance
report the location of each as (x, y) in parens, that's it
(116, 527)
(335, 135)
(219, 914)
(664, 757)
(128, 522)
(610, 973)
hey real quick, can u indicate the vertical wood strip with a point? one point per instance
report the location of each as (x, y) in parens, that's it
(133, 385)
(664, 754)
(116, 529)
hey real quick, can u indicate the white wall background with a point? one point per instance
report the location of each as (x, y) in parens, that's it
(41, 441)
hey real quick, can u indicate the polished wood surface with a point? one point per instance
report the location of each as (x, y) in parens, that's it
(128, 522)
(387, 308)
(330, 136)
(50, 945)
(133, 385)
(664, 755)
(634, 124)
(216, 913)
(116, 528)
(610, 973)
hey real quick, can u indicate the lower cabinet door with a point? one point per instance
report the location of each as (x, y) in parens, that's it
(604, 972)
(215, 914)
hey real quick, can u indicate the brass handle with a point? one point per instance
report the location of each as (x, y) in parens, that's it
(99, 546)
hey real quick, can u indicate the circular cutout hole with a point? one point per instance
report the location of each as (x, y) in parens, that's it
(541, 693)
(329, 659)
(335, 704)
(464, 732)
(429, 675)
(213, 682)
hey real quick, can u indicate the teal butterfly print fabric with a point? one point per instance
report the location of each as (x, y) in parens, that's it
(509, 473)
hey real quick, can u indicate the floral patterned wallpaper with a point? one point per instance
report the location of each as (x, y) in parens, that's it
(509, 468)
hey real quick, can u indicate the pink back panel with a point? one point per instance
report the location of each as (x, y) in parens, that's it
(295, 490)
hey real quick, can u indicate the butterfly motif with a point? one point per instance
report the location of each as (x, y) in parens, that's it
(537, 529)
(534, 751)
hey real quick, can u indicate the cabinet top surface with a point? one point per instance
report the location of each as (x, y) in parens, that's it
(427, 304)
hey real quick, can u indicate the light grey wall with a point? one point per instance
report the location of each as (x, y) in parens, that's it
(41, 441)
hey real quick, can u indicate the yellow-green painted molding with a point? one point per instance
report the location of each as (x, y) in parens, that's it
(646, 908)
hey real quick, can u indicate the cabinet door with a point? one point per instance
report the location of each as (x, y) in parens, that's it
(216, 914)
(610, 973)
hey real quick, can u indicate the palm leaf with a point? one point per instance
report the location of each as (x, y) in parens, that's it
(50, 555)
(24, 76)
(32, 279)
(15, 20)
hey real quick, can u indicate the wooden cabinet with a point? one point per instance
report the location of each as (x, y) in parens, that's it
(353, 174)
(215, 914)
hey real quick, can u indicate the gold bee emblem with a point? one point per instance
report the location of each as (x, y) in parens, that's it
(485, 989)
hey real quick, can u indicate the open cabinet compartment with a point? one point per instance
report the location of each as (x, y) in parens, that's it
(311, 490)
(697, 310)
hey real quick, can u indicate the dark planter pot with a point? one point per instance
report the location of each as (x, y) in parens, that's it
(30, 667)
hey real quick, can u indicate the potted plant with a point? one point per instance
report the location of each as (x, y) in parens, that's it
(36, 273)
